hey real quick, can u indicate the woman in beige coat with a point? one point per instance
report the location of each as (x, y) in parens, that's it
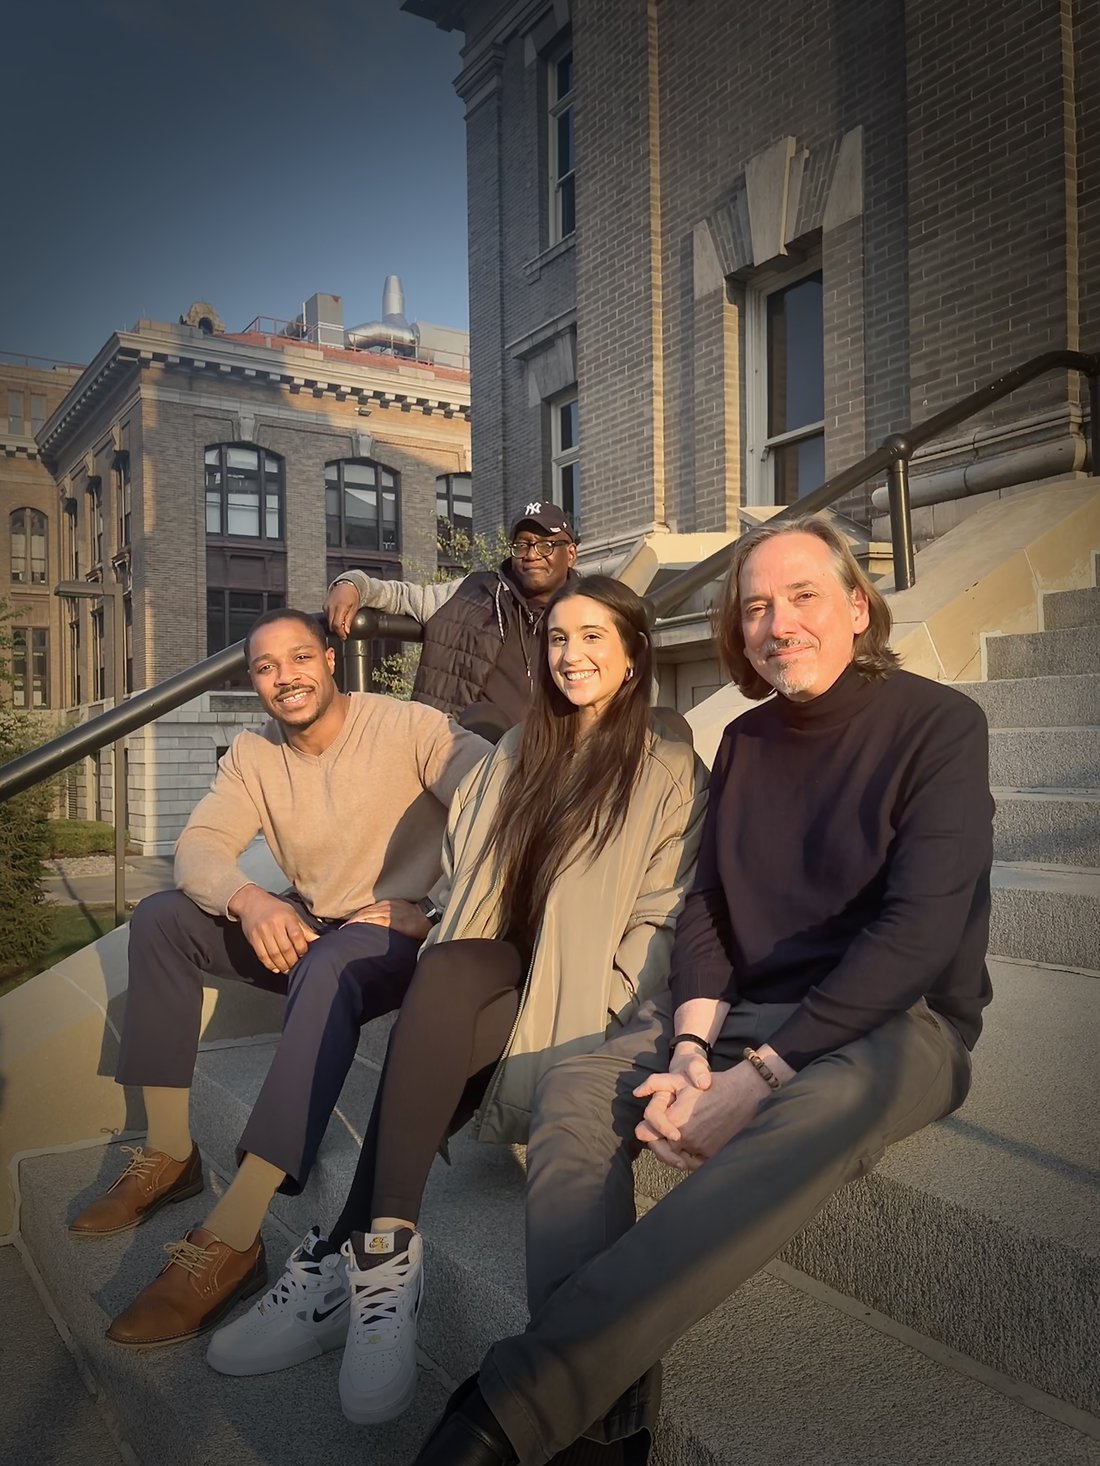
(567, 856)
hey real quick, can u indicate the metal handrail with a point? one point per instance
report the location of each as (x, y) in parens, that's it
(143, 707)
(893, 456)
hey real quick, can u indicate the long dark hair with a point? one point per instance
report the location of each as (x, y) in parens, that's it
(567, 795)
(872, 654)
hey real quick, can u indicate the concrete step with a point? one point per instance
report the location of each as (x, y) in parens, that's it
(1052, 1204)
(46, 1412)
(1047, 826)
(1045, 914)
(1045, 758)
(1063, 608)
(1038, 702)
(831, 1388)
(1043, 653)
(984, 1231)
(172, 1408)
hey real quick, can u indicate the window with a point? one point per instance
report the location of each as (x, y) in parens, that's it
(361, 505)
(128, 621)
(30, 667)
(29, 564)
(38, 411)
(454, 505)
(229, 615)
(95, 501)
(74, 654)
(15, 412)
(563, 185)
(244, 492)
(565, 457)
(99, 654)
(123, 497)
(786, 394)
(71, 548)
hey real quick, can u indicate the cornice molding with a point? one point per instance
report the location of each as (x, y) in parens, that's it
(294, 369)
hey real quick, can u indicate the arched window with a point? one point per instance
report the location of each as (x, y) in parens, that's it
(361, 505)
(245, 492)
(29, 562)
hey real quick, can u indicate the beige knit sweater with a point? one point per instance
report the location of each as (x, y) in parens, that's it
(361, 822)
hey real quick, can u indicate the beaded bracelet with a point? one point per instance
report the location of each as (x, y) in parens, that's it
(761, 1068)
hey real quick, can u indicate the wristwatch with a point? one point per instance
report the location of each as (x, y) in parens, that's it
(427, 908)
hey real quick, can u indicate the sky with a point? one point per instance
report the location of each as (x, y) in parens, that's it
(242, 152)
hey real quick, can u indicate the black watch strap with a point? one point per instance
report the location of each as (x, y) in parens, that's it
(427, 908)
(690, 1038)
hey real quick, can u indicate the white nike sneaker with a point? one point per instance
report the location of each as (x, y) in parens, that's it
(378, 1370)
(302, 1316)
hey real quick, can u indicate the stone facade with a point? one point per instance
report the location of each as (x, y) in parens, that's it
(934, 166)
(30, 527)
(127, 450)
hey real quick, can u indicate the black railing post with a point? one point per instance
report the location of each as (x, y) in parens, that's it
(357, 662)
(1094, 424)
(901, 526)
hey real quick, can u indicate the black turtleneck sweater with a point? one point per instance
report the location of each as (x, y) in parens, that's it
(844, 863)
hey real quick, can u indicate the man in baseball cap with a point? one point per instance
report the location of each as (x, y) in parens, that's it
(480, 632)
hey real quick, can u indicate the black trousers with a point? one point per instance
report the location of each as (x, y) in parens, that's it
(349, 976)
(451, 1030)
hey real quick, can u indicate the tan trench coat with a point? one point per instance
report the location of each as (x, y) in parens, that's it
(605, 939)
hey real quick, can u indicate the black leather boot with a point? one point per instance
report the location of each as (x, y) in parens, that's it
(467, 1434)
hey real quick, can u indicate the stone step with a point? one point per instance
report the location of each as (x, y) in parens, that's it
(1045, 914)
(1038, 702)
(1045, 758)
(1071, 651)
(1047, 826)
(984, 1231)
(46, 1412)
(1030, 1154)
(1064, 608)
(830, 1388)
(173, 1410)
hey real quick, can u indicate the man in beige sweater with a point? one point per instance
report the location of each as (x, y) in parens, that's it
(351, 792)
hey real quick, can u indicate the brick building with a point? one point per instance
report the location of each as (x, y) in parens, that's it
(30, 534)
(216, 475)
(719, 251)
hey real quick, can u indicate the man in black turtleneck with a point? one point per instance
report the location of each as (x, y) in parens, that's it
(828, 981)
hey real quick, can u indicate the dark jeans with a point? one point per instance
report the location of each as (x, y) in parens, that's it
(349, 976)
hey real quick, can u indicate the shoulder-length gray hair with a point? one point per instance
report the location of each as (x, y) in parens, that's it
(872, 654)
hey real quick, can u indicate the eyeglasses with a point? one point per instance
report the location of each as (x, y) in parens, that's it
(542, 548)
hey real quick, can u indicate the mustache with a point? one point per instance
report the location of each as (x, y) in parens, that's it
(786, 644)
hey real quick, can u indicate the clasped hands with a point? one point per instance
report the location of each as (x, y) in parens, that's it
(693, 1111)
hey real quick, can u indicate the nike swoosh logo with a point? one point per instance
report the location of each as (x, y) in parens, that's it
(320, 1317)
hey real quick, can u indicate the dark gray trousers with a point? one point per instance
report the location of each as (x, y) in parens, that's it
(609, 1295)
(349, 976)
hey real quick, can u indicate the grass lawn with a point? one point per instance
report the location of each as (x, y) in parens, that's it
(73, 927)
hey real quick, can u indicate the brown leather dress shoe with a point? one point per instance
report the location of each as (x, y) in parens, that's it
(148, 1182)
(199, 1284)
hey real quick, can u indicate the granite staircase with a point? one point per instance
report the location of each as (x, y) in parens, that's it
(945, 1309)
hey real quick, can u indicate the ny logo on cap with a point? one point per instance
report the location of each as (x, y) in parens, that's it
(535, 508)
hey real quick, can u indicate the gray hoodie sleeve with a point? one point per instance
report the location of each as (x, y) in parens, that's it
(400, 597)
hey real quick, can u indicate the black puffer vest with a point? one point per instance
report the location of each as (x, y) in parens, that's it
(464, 641)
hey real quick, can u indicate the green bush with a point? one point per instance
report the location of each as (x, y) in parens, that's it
(24, 911)
(80, 837)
